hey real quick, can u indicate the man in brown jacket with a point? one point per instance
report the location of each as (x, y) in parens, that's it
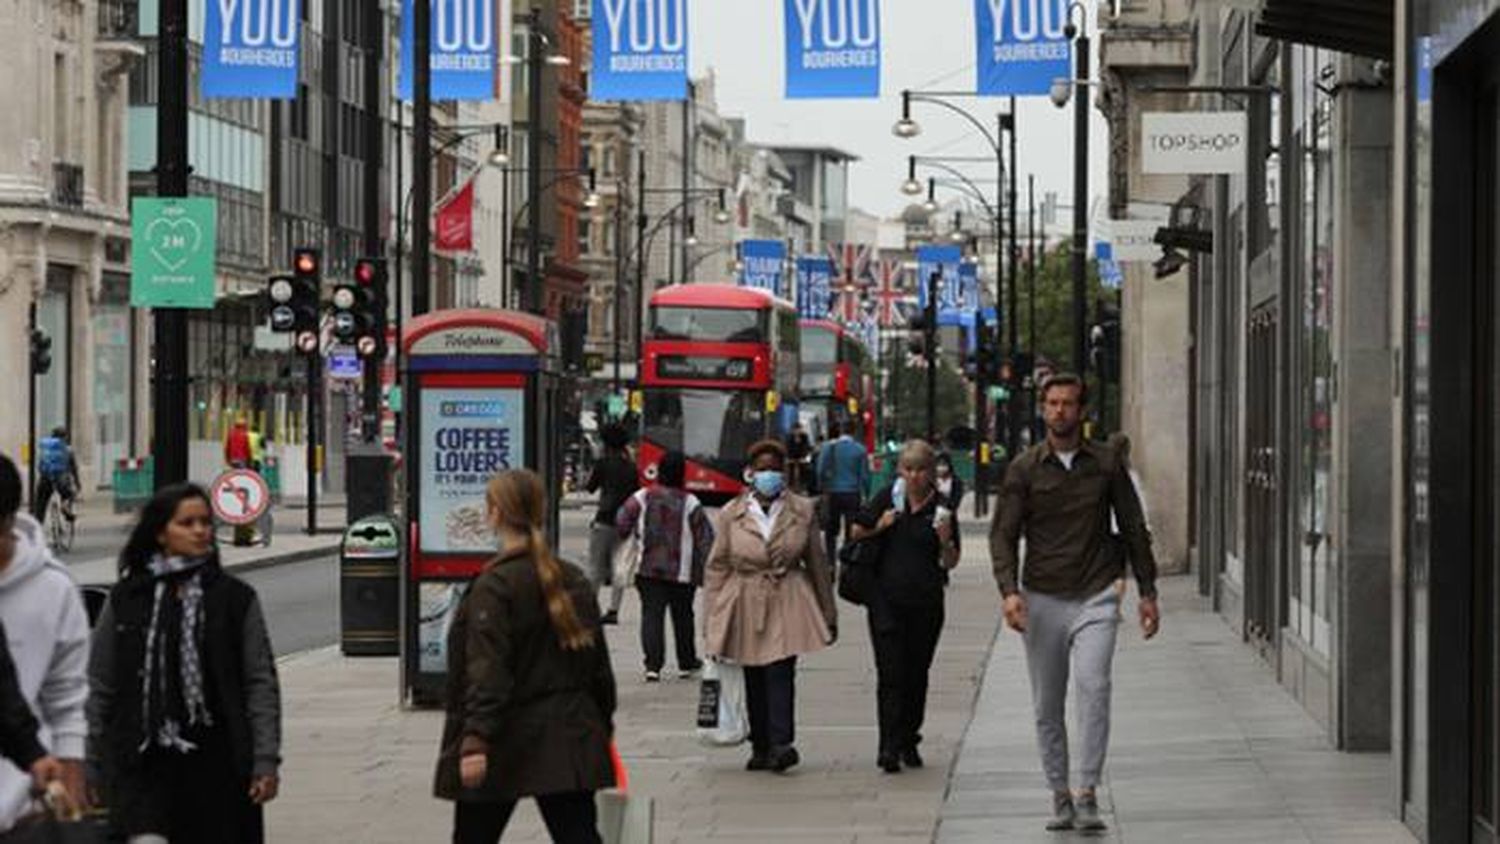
(1059, 495)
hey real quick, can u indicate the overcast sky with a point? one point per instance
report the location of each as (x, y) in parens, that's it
(926, 44)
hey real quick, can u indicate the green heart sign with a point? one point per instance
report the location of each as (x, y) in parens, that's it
(172, 252)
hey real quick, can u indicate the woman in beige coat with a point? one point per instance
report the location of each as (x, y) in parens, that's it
(768, 593)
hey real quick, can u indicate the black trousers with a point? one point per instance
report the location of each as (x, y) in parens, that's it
(195, 796)
(658, 596)
(905, 637)
(570, 818)
(771, 701)
(842, 508)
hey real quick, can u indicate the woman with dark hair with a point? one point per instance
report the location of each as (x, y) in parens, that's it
(531, 697)
(768, 595)
(949, 485)
(184, 706)
(675, 539)
(614, 478)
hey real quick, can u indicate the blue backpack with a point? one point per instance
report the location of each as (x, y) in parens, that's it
(52, 456)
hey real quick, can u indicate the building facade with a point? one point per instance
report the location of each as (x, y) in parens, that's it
(1145, 47)
(65, 233)
(1445, 478)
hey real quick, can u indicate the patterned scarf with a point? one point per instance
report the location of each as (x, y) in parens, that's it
(172, 682)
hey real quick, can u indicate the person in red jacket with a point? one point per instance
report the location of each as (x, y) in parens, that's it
(238, 452)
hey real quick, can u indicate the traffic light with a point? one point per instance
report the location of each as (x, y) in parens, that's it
(41, 352)
(370, 280)
(281, 290)
(307, 283)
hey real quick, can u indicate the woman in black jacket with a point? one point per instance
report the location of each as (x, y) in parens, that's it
(184, 706)
(531, 696)
(918, 536)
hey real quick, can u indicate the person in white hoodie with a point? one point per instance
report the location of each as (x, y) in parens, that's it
(47, 635)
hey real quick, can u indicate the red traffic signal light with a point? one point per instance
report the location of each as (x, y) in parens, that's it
(305, 261)
(365, 272)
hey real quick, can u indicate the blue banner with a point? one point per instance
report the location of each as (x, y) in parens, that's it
(1109, 270)
(463, 50)
(250, 48)
(814, 287)
(640, 50)
(1021, 46)
(763, 262)
(947, 261)
(832, 48)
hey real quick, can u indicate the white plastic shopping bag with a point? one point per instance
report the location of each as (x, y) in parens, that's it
(722, 718)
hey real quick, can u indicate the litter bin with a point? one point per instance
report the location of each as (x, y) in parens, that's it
(369, 588)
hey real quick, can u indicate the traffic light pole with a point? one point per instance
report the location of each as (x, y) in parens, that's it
(31, 405)
(169, 389)
(374, 243)
(314, 440)
(929, 348)
(1013, 407)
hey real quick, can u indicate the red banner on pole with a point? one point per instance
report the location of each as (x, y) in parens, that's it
(453, 223)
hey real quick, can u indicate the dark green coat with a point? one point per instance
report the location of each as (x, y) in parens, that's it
(545, 715)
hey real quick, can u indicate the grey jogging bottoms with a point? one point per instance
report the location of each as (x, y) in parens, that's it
(1076, 633)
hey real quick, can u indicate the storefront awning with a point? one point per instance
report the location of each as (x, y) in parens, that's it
(1360, 27)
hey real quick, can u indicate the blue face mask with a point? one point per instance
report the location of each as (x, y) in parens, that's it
(769, 482)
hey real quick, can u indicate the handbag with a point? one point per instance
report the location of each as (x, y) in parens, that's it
(55, 825)
(627, 557)
(723, 718)
(859, 561)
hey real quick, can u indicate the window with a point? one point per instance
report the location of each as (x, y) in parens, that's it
(585, 236)
(610, 162)
(714, 325)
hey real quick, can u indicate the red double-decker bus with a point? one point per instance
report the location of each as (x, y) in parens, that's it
(719, 370)
(836, 369)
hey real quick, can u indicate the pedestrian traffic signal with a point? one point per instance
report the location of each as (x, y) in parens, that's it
(281, 290)
(370, 282)
(307, 283)
(41, 352)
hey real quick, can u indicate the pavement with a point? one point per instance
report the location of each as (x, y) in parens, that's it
(1204, 745)
(358, 767)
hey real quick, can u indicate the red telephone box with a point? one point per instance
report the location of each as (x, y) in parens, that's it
(482, 395)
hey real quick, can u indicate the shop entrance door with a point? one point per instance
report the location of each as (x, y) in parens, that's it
(1261, 480)
(1484, 668)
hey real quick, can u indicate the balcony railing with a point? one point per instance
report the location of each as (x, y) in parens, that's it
(118, 19)
(67, 184)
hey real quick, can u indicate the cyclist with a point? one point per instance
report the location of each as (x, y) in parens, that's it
(57, 471)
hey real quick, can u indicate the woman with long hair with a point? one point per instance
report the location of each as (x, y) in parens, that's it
(184, 707)
(531, 696)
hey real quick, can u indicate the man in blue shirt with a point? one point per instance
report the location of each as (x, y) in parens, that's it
(57, 473)
(843, 470)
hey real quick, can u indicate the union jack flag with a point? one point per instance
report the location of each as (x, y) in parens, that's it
(889, 294)
(851, 275)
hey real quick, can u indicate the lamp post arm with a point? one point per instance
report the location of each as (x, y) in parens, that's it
(515, 219)
(989, 136)
(967, 182)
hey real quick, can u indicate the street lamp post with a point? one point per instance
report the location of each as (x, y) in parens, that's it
(907, 127)
(1080, 186)
(421, 158)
